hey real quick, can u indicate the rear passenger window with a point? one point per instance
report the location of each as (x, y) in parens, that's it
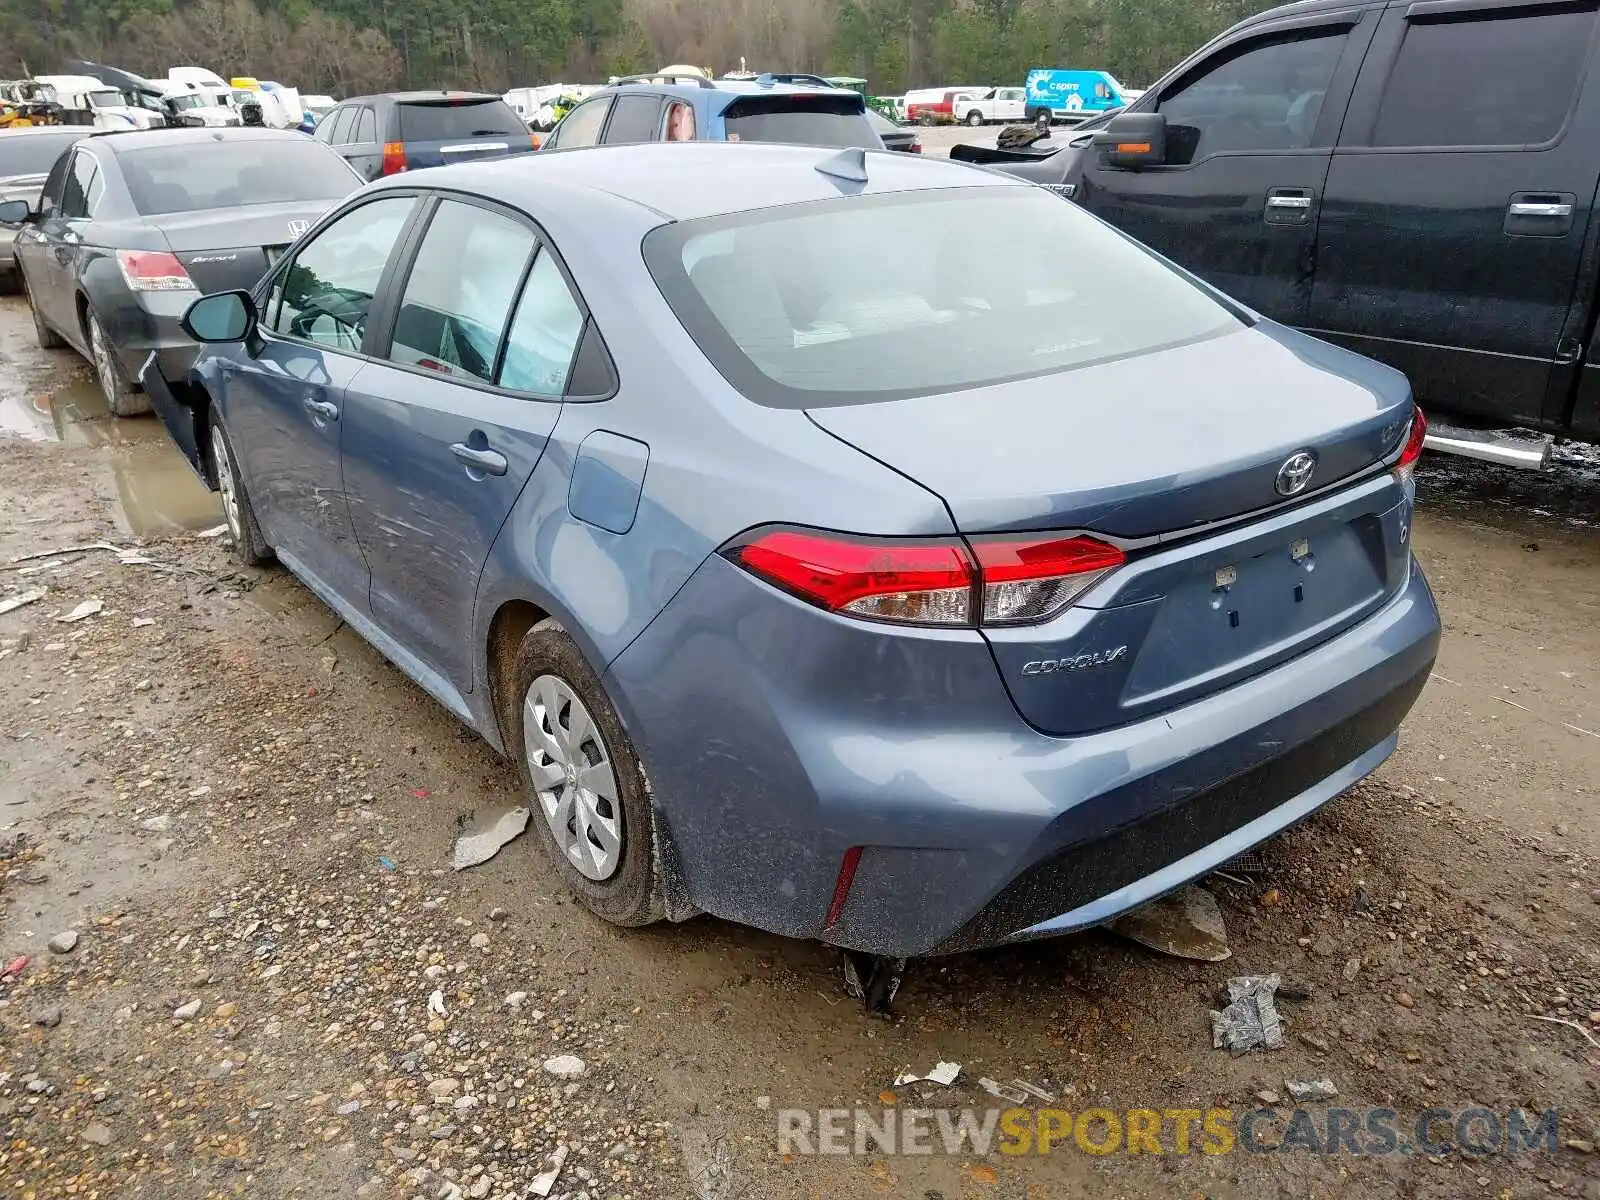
(366, 127)
(459, 294)
(633, 119)
(544, 333)
(1505, 78)
(338, 125)
(1266, 98)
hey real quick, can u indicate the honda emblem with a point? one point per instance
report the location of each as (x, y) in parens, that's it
(296, 228)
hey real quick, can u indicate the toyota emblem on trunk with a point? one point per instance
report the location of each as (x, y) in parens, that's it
(1296, 473)
(296, 228)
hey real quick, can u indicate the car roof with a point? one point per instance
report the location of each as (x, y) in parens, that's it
(724, 90)
(119, 141)
(28, 130)
(682, 181)
(413, 97)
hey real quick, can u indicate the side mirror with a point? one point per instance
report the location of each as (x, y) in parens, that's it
(1133, 140)
(224, 317)
(15, 212)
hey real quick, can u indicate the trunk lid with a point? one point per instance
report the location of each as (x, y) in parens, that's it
(229, 248)
(1151, 452)
(452, 130)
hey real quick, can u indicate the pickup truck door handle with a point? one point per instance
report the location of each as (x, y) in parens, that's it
(490, 462)
(1288, 206)
(322, 410)
(1540, 214)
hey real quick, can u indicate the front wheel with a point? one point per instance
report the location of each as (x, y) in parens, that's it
(122, 395)
(583, 780)
(974, 118)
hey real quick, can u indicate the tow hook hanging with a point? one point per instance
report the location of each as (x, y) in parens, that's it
(873, 979)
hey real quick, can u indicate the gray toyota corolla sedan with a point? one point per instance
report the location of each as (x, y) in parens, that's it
(861, 547)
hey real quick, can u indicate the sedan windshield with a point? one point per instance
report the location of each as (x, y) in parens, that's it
(173, 179)
(863, 299)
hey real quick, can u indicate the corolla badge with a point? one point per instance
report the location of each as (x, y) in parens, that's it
(1076, 662)
(296, 228)
(1296, 473)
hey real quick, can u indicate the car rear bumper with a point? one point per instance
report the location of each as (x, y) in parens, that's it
(146, 323)
(777, 738)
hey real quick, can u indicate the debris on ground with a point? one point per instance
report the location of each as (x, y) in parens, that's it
(1001, 1091)
(64, 942)
(546, 1178)
(15, 967)
(1311, 1089)
(87, 609)
(1186, 924)
(1251, 1017)
(436, 1003)
(943, 1074)
(873, 979)
(12, 603)
(480, 839)
(565, 1066)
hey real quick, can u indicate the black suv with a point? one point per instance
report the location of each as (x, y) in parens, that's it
(401, 131)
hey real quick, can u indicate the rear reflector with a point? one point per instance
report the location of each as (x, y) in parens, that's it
(1025, 579)
(998, 581)
(153, 271)
(841, 887)
(1414, 439)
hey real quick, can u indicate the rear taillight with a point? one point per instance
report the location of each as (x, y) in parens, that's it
(1025, 579)
(995, 581)
(1407, 462)
(536, 140)
(394, 157)
(153, 271)
(916, 147)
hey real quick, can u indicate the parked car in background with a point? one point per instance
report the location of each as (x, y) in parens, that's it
(401, 131)
(26, 156)
(998, 632)
(638, 109)
(893, 136)
(937, 107)
(995, 106)
(1383, 178)
(129, 228)
(1071, 96)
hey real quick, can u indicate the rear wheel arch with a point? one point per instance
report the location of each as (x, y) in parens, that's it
(512, 622)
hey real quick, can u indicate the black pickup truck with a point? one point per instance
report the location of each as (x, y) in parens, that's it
(1414, 179)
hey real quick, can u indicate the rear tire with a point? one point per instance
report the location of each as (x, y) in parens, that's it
(48, 338)
(249, 546)
(122, 395)
(582, 781)
(974, 118)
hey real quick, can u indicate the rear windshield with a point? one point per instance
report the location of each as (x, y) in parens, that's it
(803, 120)
(458, 119)
(174, 179)
(856, 300)
(32, 153)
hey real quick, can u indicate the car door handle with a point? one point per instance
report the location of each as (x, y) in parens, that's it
(1294, 202)
(325, 410)
(490, 462)
(1540, 208)
(1287, 206)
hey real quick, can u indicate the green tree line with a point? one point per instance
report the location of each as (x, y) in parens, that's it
(351, 46)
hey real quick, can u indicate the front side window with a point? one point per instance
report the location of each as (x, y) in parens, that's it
(581, 127)
(863, 299)
(460, 290)
(326, 292)
(54, 186)
(544, 333)
(1265, 98)
(1502, 78)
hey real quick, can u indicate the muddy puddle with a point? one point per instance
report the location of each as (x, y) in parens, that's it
(49, 397)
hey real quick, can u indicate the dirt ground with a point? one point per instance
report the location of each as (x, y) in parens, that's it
(276, 987)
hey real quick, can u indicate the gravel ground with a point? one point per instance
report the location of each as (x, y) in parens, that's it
(224, 842)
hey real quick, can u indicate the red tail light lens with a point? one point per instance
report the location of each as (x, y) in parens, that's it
(1025, 579)
(1013, 580)
(916, 147)
(1413, 451)
(394, 157)
(153, 271)
(919, 583)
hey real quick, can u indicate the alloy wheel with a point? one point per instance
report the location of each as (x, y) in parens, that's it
(102, 363)
(227, 485)
(572, 774)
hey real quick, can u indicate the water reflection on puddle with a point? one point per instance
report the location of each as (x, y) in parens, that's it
(157, 493)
